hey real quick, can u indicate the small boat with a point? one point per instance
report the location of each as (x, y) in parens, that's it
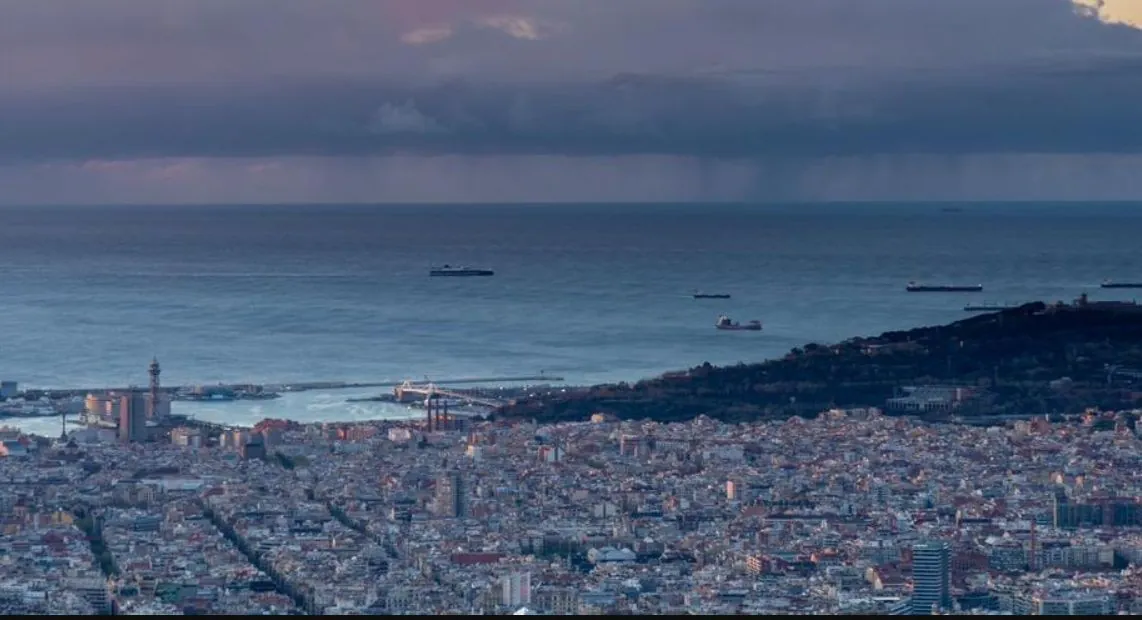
(913, 287)
(724, 322)
(462, 272)
(701, 295)
(989, 307)
(1109, 284)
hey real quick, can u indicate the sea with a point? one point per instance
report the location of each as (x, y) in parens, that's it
(590, 293)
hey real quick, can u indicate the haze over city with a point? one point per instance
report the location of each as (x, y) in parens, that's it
(263, 101)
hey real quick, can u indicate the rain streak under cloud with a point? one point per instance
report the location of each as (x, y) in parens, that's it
(541, 100)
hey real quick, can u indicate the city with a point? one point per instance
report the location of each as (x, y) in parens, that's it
(852, 512)
(575, 307)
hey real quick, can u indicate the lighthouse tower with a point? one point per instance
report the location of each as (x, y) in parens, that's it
(153, 405)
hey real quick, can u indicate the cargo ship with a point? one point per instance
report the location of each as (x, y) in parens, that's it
(701, 295)
(1109, 284)
(460, 272)
(913, 287)
(725, 323)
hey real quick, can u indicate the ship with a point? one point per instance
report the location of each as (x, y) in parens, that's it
(462, 272)
(724, 322)
(989, 307)
(701, 295)
(913, 287)
(1109, 284)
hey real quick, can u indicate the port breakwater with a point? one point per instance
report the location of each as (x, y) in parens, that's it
(301, 386)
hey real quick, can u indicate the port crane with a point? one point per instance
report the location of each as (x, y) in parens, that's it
(429, 390)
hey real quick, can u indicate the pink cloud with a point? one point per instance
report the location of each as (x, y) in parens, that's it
(411, 14)
(174, 172)
(264, 168)
(427, 35)
(108, 167)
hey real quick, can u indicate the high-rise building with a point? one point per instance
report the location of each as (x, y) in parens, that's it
(132, 417)
(931, 588)
(272, 438)
(451, 496)
(516, 589)
(254, 450)
(254, 447)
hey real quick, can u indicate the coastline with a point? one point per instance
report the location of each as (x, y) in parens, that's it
(339, 402)
(302, 407)
(1034, 359)
(361, 308)
(998, 360)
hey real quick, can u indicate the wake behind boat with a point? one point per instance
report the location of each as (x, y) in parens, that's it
(914, 287)
(725, 323)
(462, 272)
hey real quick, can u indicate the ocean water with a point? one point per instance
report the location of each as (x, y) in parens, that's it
(590, 292)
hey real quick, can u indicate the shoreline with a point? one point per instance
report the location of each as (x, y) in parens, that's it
(318, 412)
(990, 358)
(284, 387)
(343, 402)
(313, 407)
(1001, 363)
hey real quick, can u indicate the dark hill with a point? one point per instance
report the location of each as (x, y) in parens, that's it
(1010, 358)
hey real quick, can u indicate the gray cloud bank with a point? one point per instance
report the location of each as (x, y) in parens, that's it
(1016, 110)
(719, 79)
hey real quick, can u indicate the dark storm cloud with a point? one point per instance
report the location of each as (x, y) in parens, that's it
(125, 79)
(1002, 111)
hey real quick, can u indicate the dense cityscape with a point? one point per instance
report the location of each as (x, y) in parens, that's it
(830, 307)
(850, 511)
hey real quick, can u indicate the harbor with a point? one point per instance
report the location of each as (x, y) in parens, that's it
(254, 391)
(31, 403)
(260, 391)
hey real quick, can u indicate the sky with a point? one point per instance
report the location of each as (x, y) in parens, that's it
(265, 101)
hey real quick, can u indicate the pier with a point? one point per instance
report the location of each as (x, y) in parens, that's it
(303, 386)
(212, 428)
(489, 397)
(432, 390)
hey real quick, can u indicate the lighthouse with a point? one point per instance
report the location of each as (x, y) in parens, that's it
(153, 407)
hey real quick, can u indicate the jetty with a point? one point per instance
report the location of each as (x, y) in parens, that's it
(283, 387)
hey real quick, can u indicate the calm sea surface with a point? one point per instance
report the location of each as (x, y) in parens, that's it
(593, 293)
